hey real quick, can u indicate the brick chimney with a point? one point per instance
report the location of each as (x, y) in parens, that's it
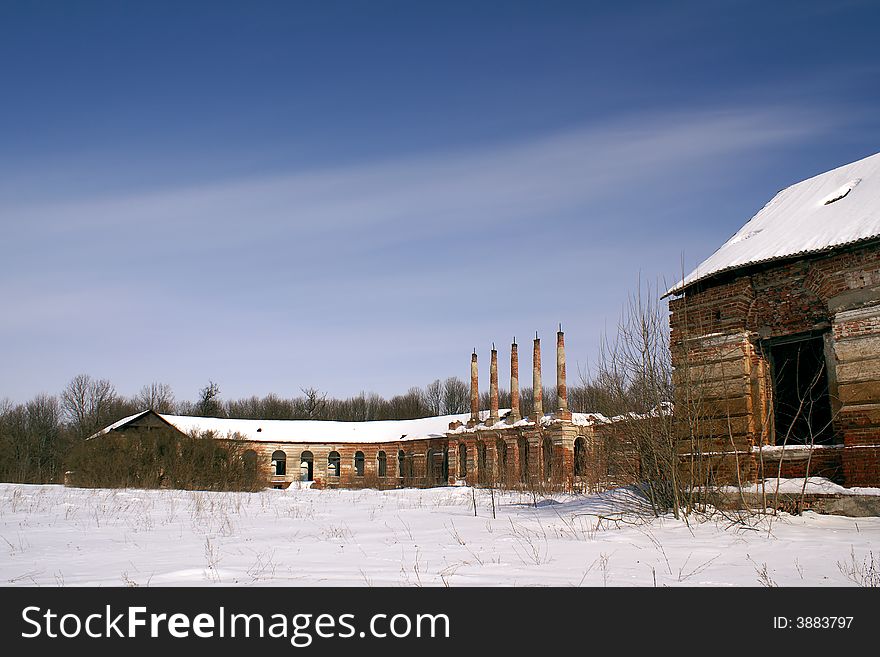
(561, 390)
(515, 415)
(475, 392)
(493, 387)
(537, 390)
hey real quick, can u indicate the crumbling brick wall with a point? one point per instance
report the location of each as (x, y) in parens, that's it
(414, 473)
(718, 328)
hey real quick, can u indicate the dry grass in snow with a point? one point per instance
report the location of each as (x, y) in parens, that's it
(57, 536)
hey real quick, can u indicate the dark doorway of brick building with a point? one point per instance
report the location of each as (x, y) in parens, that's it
(438, 467)
(801, 401)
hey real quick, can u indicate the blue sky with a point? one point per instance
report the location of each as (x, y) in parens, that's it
(353, 195)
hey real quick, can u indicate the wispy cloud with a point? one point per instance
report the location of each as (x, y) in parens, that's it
(445, 191)
(378, 250)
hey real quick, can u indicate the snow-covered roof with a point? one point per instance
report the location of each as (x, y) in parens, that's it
(327, 431)
(120, 423)
(833, 209)
(308, 431)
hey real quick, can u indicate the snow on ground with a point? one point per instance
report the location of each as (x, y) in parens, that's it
(57, 536)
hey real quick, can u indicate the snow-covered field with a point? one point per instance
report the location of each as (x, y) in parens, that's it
(57, 536)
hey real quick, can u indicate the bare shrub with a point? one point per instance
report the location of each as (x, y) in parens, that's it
(861, 573)
(635, 372)
(164, 459)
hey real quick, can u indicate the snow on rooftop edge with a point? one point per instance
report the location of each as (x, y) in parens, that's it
(319, 431)
(308, 431)
(835, 208)
(119, 423)
(330, 431)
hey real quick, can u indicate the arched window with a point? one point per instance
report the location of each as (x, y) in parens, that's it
(307, 466)
(462, 460)
(333, 464)
(249, 458)
(249, 461)
(218, 460)
(482, 463)
(279, 461)
(359, 464)
(580, 457)
(522, 446)
(401, 463)
(501, 456)
(382, 464)
(547, 457)
(437, 468)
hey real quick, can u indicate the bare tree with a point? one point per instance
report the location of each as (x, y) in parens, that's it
(44, 427)
(87, 403)
(156, 397)
(208, 404)
(248, 408)
(273, 407)
(456, 398)
(635, 370)
(359, 408)
(409, 405)
(434, 397)
(315, 403)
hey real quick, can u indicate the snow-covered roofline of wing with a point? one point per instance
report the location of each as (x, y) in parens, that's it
(836, 208)
(118, 424)
(308, 431)
(375, 431)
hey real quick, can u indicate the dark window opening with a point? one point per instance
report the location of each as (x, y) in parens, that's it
(359, 464)
(307, 466)
(482, 463)
(279, 460)
(801, 401)
(436, 467)
(462, 461)
(333, 464)
(501, 456)
(613, 468)
(250, 461)
(547, 454)
(523, 448)
(382, 460)
(580, 457)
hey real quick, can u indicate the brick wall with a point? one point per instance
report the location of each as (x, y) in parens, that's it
(717, 331)
(415, 453)
(820, 462)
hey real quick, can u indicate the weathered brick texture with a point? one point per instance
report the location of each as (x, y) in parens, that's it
(719, 327)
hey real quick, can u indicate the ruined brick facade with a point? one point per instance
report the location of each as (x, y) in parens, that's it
(724, 333)
(558, 451)
(498, 455)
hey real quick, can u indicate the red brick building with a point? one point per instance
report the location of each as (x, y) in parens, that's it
(777, 337)
(511, 449)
